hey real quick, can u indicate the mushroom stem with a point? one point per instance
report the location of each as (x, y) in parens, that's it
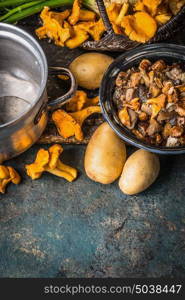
(3, 185)
(60, 173)
(68, 169)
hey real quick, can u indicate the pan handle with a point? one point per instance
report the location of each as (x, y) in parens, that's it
(104, 16)
(64, 98)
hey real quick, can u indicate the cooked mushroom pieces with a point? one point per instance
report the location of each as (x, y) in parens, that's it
(142, 127)
(163, 116)
(154, 127)
(180, 110)
(150, 101)
(119, 97)
(177, 131)
(144, 64)
(129, 94)
(154, 90)
(146, 108)
(181, 121)
(133, 118)
(121, 79)
(158, 65)
(135, 79)
(174, 74)
(142, 92)
(172, 142)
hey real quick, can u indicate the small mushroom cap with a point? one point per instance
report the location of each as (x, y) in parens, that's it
(4, 173)
(42, 158)
(35, 169)
(15, 177)
(54, 152)
(3, 184)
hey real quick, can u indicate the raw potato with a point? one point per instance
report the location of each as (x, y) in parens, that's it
(140, 171)
(89, 69)
(105, 155)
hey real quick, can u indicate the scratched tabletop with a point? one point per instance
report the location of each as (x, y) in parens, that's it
(52, 228)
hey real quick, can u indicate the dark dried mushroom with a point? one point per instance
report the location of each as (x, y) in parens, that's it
(173, 120)
(138, 134)
(142, 127)
(158, 65)
(178, 81)
(154, 127)
(119, 97)
(167, 130)
(158, 139)
(129, 94)
(154, 90)
(182, 80)
(180, 110)
(142, 89)
(172, 142)
(172, 96)
(171, 107)
(177, 131)
(121, 79)
(158, 82)
(175, 73)
(151, 102)
(167, 85)
(143, 116)
(144, 64)
(163, 116)
(146, 78)
(182, 140)
(135, 79)
(146, 108)
(133, 118)
(181, 121)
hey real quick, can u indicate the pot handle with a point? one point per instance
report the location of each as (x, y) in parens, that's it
(64, 98)
(60, 100)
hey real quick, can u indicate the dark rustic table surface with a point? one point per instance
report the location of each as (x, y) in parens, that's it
(53, 228)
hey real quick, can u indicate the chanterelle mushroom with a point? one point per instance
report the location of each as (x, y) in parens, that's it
(4, 173)
(7, 175)
(69, 124)
(49, 161)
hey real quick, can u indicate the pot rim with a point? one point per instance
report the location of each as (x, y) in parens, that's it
(104, 93)
(44, 73)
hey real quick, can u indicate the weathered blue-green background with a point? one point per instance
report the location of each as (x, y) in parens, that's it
(53, 228)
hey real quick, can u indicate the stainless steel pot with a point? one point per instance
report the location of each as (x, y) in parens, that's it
(23, 96)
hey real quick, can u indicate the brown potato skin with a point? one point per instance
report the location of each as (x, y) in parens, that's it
(140, 171)
(89, 68)
(105, 155)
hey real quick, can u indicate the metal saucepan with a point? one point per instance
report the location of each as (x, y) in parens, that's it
(23, 95)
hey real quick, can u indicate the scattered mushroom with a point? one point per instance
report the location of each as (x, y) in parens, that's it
(7, 175)
(49, 161)
(80, 101)
(69, 124)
